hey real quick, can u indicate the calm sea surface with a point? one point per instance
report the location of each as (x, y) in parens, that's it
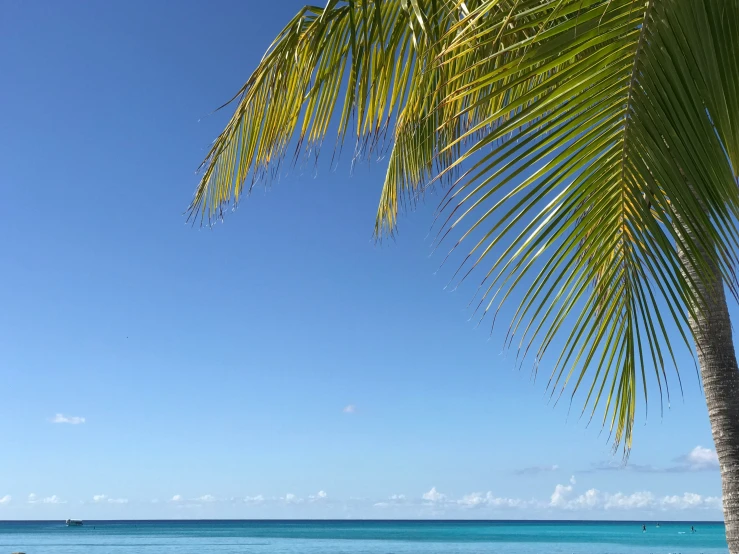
(360, 537)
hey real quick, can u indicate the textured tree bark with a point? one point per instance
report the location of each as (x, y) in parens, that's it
(720, 376)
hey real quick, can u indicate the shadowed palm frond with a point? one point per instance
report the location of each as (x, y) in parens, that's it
(585, 145)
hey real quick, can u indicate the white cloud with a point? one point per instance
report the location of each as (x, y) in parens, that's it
(563, 498)
(350, 409)
(591, 499)
(701, 458)
(698, 459)
(99, 498)
(566, 499)
(473, 499)
(434, 496)
(478, 499)
(53, 499)
(393, 499)
(320, 495)
(633, 501)
(690, 500)
(595, 499)
(6, 499)
(72, 420)
(533, 470)
(560, 496)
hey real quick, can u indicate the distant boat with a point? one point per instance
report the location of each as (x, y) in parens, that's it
(73, 522)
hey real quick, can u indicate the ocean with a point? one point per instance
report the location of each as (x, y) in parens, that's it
(360, 537)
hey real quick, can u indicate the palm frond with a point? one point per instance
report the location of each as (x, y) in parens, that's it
(590, 148)
(363, 63)
(627, 166)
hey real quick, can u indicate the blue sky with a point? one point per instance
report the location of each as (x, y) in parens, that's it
(279, 365)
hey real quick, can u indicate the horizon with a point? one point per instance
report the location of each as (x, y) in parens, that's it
(349, 520)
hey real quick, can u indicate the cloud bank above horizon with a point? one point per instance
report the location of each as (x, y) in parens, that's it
(560, 498)
(565, 498)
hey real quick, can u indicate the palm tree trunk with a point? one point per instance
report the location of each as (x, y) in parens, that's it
(720, 376)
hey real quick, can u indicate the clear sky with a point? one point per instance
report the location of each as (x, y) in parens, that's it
(279, 365)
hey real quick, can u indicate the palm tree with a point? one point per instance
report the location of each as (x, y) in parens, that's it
(588, 150)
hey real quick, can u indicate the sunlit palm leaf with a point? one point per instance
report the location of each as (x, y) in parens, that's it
(623, 164)
(587, 144)
(361, 62)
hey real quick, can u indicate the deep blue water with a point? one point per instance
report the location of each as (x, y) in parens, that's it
(360, 537)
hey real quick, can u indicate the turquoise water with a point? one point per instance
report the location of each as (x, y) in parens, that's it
(360, 537)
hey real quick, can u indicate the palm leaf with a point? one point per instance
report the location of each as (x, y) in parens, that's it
(364, 63)
(589, 148)
(626, 169)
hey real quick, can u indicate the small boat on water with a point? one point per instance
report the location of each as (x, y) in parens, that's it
(73, 522)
